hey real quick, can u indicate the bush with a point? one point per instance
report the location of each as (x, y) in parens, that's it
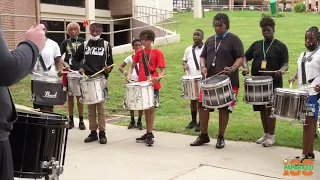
(299, 8)
(275, 16)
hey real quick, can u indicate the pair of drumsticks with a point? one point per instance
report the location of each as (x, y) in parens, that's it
(93, 74)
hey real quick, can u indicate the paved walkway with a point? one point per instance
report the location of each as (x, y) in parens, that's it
(171, 158)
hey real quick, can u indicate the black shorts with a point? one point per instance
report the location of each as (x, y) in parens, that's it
(6, 162)
(38, 106)
(210, 110)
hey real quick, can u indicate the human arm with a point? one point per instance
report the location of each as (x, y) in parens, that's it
(293, 77)
(109, 62)
(203, 59)
(135, 61)
(248, 56)
(18, 63)
(123, 65)
(76, 61)
(185, 60)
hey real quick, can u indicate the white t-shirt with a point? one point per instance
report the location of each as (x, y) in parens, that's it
(188, 57)
(49, 53)
(134, 74)
(312, 70)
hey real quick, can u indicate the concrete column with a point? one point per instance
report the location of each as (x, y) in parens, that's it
(90, 15)
(197, 9)
(112, 34)
(313, 5)
(244, 3)
(231, 5)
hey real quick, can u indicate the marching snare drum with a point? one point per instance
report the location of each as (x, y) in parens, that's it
(139, 96)
(93, 90)
(47, 90)
(217, 92)
(289, 104)
(73, 83)
(191, 86)
(258, 90)
(37, 139)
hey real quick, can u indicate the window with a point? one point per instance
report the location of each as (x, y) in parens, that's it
(102, 4)
(75, 3)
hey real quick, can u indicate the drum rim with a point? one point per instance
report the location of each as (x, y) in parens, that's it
(222, 83)
(290, 91)
(64, 117)
(268, 79)
(191, 77)
(140, 84)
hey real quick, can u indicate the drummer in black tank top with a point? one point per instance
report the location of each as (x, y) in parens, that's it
(221, 52)
(269, 54)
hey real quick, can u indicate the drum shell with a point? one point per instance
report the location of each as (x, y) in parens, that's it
(218, 94)
(73, 79)
(258, 90)
(290, 105)
(139, 96)
(92, 90)
(191, 87)
(35, 139)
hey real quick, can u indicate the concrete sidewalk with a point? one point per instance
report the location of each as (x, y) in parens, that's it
(171, 158)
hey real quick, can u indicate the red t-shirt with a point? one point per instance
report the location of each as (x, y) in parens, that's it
(156, 61)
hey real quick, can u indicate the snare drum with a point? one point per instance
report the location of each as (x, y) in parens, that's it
(217, 92)
(258, 90)
(191, 86)
(73, 83)
(36, 138)
(290, 104)
(47, 90)
(93, 90)
(139, 96)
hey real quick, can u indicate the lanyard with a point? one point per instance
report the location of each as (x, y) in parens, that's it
(216, 47)
(265, 52)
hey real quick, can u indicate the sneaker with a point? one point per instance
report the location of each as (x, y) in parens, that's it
(143, 138)
(220, 142)
(269, 141)
(82, 126)
(71, 124)
(301, 158)
(132, 125)
(102, 137)
(139, 125)
(150, 140)
(191, 125)
(201, 140)
(311, 156)
(197, 129)
(262, 139)
(93, 136)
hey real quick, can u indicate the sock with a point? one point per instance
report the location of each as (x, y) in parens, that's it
(80, 118)
(194, 116)
(71, 118)
(139, 120)
(204, 134)
(132, 119)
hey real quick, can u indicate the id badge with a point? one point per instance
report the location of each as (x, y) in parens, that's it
(70, 61)
(263, 64)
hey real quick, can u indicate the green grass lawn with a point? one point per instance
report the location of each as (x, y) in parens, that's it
(174, 113)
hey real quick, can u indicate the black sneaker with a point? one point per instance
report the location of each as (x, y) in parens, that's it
(197, 128)
(82, 126)
(150, 140)
(132, 125)
(143, 138)
(220, 142)
(93, 136)
(202, 139)
(302, 157)
(102, 137)
(191, 125)
(139, 125)
(71, 124)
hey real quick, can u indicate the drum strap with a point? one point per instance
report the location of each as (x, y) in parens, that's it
(136, 67)
(42, 63)
(71, 47)
(195, 57)
(146, 69)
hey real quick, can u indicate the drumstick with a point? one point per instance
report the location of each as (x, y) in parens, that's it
(273, 71)
(101, 70)
(290, 85)
(37, 74)
(187, 72)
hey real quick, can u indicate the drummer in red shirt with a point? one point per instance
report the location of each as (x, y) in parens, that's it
(153, 59)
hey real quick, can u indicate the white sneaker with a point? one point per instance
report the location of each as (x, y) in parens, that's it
(269, 141)
(262, 139)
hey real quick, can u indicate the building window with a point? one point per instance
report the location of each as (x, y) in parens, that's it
(100, 4)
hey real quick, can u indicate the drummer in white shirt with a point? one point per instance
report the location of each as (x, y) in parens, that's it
(136, 44)
(191, 65)
(51, 58)
(308, 71)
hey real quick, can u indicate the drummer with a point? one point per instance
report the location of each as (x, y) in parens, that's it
(268, 54)
(136, 45)
(309, 60)
(98, 56)
(191, 64)
(222, 52)
(69, 47)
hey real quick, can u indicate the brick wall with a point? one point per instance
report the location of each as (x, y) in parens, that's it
(18, 7)
(120, 7)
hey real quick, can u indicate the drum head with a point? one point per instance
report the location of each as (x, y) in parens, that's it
(188, 77)
(74, 74)
(47, 78)
(145, 83)
(215, 81)
(291, 91)
(258, 79)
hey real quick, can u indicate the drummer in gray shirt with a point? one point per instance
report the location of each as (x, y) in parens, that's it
(269, 54)
(191, 64)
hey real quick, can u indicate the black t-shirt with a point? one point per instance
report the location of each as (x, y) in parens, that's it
(276, 57)
(65, 48)
(230, 49)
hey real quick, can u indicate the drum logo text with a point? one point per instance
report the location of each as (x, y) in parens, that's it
(295, 168)
(48, 95)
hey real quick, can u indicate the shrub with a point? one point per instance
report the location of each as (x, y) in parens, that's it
(299, 8)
